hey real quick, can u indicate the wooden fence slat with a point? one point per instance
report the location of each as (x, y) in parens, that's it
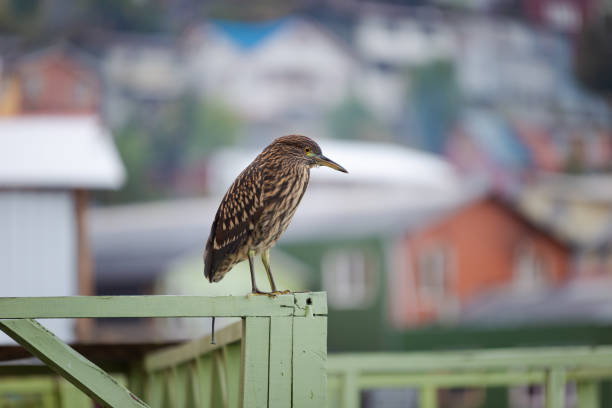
(310, 362)
(350, 390)
(281, 352)
(428, 397)
(232, 365)
(255, 362)
(588, 394)
(72, 397)
(204, 366)
(555, 388)
(81, 372)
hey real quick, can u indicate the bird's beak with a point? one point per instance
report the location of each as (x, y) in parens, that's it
(324, 161)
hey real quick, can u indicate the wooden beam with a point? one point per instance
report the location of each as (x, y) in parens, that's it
(501, 359)
(146, 306)
(71, 365)
(83, 327)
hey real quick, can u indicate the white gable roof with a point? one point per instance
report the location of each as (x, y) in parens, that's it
(368, 163)
(58, 152)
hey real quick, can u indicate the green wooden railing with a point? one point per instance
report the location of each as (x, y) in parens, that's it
(275, 357)
(349, 374)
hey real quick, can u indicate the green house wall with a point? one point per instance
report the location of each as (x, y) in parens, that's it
(352, 329)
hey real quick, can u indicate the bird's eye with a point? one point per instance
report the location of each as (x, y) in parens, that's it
(307, 150)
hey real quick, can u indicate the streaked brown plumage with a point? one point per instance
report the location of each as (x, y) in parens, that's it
(259, 205)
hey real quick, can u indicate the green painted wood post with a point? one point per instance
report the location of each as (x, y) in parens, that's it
(588, 394)
(428, 396)
(555, 388)
(350, 390)
(310, 352)
(81, 372)
(72, 397)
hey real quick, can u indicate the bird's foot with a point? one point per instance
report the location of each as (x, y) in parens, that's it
(282, 292)
(258, 292)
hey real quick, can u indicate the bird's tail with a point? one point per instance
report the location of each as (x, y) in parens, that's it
(207, 266)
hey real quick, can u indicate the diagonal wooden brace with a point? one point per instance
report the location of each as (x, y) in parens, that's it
(84, 374)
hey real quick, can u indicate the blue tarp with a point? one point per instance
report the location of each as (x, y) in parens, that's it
(248, 35)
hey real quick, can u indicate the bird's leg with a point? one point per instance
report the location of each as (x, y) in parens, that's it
(255, 290)
(265, 258)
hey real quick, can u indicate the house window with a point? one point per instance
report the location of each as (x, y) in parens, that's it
(530, 269)
(349, 277)
(433, 272)
(33, 86)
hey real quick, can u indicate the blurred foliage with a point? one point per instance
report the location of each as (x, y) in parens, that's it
(21, 17)
(435, 100)
(36, 19)
(135, 15)
(160, 149)
(351, 119)
(254, 10)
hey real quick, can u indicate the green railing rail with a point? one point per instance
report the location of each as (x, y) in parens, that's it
(275, 357)
(349, 374)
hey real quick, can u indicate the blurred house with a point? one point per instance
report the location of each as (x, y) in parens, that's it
(140, 71)
(57, 79)
(483, 245)
(484, 145)
(579, 209)
(565, 16)
(47, 166)
(387, 47)
(269, 70)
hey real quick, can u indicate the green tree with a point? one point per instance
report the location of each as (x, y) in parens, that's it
(434, 98)
(352, 120)
(158, 148)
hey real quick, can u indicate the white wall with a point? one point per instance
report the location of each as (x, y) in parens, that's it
(38, 249)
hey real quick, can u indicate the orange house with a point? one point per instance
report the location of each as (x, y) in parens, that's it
(482, 246)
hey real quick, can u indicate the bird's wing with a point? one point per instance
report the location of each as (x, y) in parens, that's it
(235, 219)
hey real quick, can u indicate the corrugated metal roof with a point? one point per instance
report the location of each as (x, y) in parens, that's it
(583, 300)
(58, 152)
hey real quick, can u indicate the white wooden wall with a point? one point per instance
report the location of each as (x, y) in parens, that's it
(38, 249)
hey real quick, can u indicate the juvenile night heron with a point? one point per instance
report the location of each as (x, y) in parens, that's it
(259, 205)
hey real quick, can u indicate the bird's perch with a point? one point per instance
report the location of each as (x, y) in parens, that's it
(275, 357)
